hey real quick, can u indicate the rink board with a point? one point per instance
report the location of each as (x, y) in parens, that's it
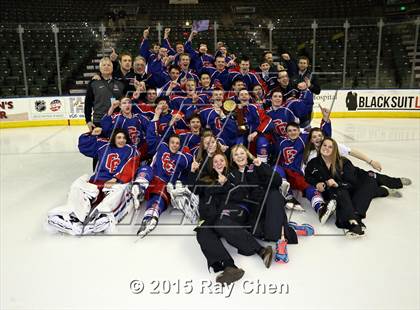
(69, 110)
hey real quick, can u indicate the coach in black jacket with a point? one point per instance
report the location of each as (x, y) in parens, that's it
(100, 93)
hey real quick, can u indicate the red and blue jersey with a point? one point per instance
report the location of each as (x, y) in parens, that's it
(113, 162)
(147, 110)
(188, 75)
(250, 79)
(136, 126)
(291, 151)
(218, 78)
(280, 117)
(256, 119)
(225, 129)
(186, 105)
(302, 105)
(169, 166)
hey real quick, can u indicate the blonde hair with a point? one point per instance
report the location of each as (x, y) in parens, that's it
(104, 60)
(240, 146)
(140, 58)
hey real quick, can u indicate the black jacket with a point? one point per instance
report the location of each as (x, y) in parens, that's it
(214, 197)
(256, 181)
(316, 171)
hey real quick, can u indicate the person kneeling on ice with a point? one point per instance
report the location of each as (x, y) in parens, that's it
(97, 203)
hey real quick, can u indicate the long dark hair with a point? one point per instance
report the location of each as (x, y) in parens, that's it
(213, 176)
(114, 136)
(309, 146)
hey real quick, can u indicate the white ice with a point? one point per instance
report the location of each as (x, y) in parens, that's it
(327, 271)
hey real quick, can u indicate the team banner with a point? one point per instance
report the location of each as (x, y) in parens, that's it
(348, 103)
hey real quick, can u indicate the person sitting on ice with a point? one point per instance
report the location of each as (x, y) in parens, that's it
(168, 165)
(97, 203)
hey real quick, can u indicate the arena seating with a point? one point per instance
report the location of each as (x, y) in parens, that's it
(79, 45)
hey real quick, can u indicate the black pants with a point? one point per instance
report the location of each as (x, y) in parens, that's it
(273, 219)
(226, 226)
(352, 204)
(387, 181)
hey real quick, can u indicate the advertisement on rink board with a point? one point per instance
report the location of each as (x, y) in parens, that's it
(384, 100)
(343, 102)
(47, 108)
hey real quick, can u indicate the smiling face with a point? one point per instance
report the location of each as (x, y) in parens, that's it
(126, 62)
(244, 96)
(258, 91)
(184, 61)
(265, 66)
(174, 74)
(156, 48)
(269, 58)
(105, 66)
(217, 98)
(139, 65)
(219, 163)
(244, 66)
(179, 48)
(205, 80)
(163, 52)
(220, 63)
(283, 78)
(237, 86)
(303, 64)
(277, 99)
(203, 48)
(327, 148)
(292, 132)
(240, 157)
(190, 87)
(151, 95)
(174, 144)
(316, 138)
(195, 125)
(210, 144)
(120, 140)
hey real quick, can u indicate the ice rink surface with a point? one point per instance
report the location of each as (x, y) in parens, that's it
(327, 271)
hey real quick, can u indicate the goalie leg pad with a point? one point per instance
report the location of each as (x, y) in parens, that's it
(80, 196)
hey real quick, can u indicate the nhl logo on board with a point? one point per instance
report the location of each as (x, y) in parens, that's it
(55, 105)
(40, 105)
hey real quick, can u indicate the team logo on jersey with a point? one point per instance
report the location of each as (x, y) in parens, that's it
(40, 105)
(289, 154)
(55, 105)
(133, 134)
(112, 162)
(280, 127)
(162, 127)
(167, 163)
